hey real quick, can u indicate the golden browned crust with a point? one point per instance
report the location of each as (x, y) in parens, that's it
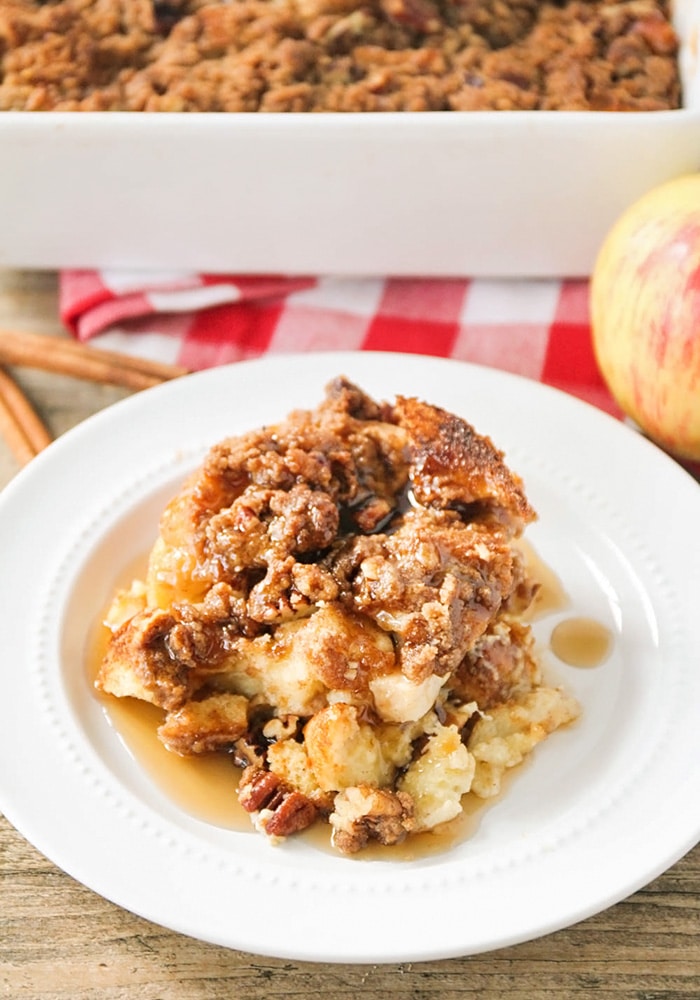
(153, 674)
(453, 467)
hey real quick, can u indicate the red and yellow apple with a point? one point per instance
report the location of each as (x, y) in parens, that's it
(645, 314)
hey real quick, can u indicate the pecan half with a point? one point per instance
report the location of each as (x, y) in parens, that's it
(280, 810)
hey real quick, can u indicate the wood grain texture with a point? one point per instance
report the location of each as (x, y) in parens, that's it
(60, 941)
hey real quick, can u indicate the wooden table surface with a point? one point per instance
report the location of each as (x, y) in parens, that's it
(60, 940)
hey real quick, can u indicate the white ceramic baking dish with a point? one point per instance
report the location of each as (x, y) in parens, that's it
(448, 193)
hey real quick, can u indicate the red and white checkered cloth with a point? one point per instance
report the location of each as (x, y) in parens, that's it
(539, 329)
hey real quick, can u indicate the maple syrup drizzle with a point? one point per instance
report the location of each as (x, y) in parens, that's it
(205, 786)
(581, 642)
(550, 596)
(577, 641)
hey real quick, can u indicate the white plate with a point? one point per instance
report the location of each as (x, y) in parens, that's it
(604, 806)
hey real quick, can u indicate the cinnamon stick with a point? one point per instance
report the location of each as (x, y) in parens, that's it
(20, 424)
(69, 357)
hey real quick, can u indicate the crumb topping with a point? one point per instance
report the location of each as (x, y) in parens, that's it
(335, 601)
(337, 55)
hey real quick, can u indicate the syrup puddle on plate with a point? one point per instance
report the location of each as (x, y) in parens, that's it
(550, 595)
(577, 641)
(581, 642)
(205, 786)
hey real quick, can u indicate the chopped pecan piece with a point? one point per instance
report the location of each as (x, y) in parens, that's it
(363, 813)
(279, 810)
(294, 813)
